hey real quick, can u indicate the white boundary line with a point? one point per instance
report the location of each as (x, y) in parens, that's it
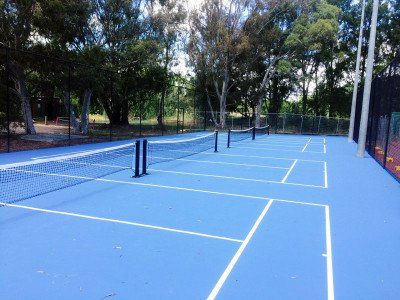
(238, 253)
(329, 264)
(304, 148)
(222, 163)
(325, 175)
(288, 172)
(276, 149)
(324, 148)
(235, 178)
(177, 188)
(122, 222)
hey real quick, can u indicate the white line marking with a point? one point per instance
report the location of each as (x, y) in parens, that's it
(275, 149)
(324, 141)
(222, 163)
(238, 253)
(304, 148)
(267, 149)
(329, 264)
(324, 148)
(309, 140)
(288, 172)
(253, 156)
(177, 188)
(325, 176)
(235, 178)
(123, 222)
(215, 176)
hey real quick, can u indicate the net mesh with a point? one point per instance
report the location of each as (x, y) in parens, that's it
(21, 181)
(239, 135)
(168, 150)
(262, 130)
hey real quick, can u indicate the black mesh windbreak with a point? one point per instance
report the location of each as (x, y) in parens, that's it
(383, 134)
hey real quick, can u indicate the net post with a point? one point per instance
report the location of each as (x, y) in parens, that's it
(229, 138)
(137, 159)
(216, 141)
(144, 163)
(268, 129)
(253, 137)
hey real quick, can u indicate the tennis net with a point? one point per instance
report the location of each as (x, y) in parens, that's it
(21, 181)
(163, 151)
(240, 135)
(262, 130)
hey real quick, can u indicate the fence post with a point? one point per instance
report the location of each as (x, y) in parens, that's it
(8, 98)
(69, 104)
(283, 122)
(183, 119)
(140, 116)
(319, 124)
(337, 126)
(112, 100)
(389, 122)
(301, 125)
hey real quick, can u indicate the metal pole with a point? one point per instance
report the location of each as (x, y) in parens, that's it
(69, 104)
(140, 117)
(8, 98)
(368, 80)
(112, 100)
(356, 77)
(183, 120)
(177, 116)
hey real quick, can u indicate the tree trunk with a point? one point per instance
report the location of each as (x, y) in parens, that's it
(267, 76)
(87, 96)
(160, 116)
(20, 88)
(258, 113)
(74, 122)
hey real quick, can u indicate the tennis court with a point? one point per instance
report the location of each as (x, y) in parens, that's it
(277, 217)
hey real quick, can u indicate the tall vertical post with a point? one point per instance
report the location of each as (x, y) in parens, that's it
(229, 139)
(183, 120)
(112, 100)
(368, 80)
(69, 104)
(137, 158)
(8, 98)
(216, 141)
(356, 76)
(177, 115)
(140, 117)
(144, 157)
(205, 114)
(253, 133)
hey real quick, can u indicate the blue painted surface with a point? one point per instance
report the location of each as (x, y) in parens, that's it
(46, 255)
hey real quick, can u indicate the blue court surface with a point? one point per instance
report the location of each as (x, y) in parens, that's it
(280, 217)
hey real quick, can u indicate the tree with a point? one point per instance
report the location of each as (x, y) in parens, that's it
(216, 40)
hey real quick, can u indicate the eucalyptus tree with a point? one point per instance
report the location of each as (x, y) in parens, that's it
(167, 20)
(216, 40)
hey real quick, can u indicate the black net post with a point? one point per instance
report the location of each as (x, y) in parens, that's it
(253, 133)
(216, 141)
(144, 158)
(137, 159)
(8, 97)
(229, 138)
